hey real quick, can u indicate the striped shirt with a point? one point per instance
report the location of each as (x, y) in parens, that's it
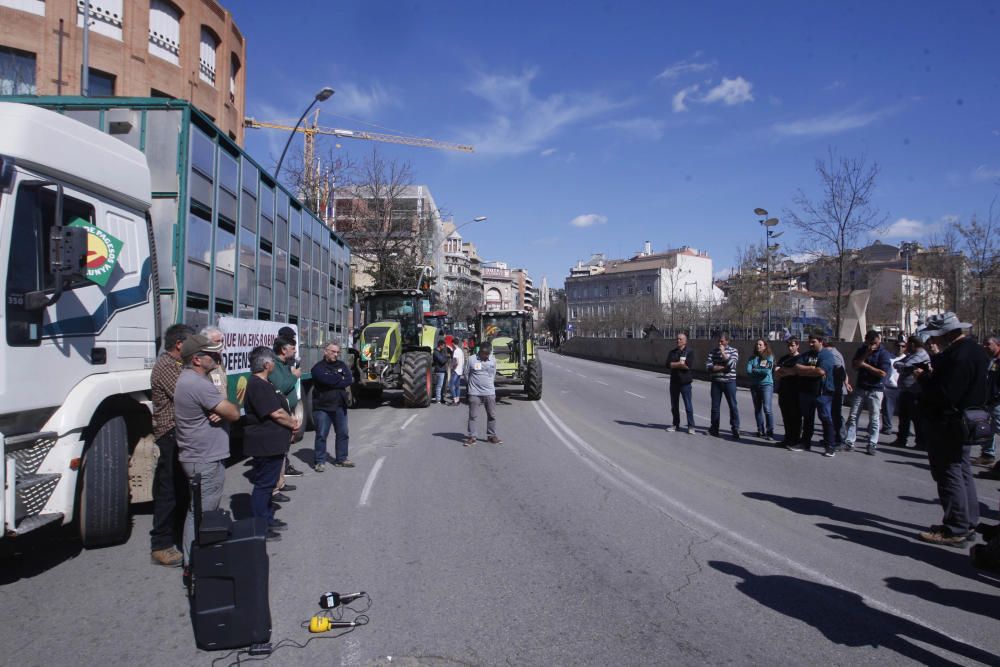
(163, 381)
(715, 359)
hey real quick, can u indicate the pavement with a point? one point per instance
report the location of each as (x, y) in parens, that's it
(589, 537)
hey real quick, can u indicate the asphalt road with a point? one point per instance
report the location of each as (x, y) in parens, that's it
(590, 537)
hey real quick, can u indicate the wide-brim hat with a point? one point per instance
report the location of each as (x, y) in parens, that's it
(194, 344)
(938, 325)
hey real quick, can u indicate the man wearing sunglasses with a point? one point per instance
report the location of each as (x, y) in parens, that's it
(199, 415)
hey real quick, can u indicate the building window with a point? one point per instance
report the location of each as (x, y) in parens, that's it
(165, 31)
(206, 55)
(619, 290)
(631, 289)
(17, 72)
(234, 73)
(105, 17)
(30, 6)
(101, 84)
(649, 289)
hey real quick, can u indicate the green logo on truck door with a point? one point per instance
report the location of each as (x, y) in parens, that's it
(103, 251)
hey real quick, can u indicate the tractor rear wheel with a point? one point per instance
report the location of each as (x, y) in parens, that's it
(533, 380)
(416, 379)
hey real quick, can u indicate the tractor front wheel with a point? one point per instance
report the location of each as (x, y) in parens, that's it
(416, 379)
(533, 380)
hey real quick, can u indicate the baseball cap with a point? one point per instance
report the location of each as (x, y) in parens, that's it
(194, 344)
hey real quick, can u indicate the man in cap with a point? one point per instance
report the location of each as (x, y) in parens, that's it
(957, 381)
(199, 413)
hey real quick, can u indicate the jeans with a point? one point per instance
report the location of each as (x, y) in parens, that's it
(677, 391)
(889, 400)
(791, 415)
(761, 395)
(266, 470)
(837, 413)
(170, 494)
(990, 448)
(323, 420)
(438, 385)
(952, 470)
(488, 402)
(456, 386)
(809, 406)
(728, 389)
(213, 478)
(870, 400)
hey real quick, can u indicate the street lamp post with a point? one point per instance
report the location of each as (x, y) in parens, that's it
(907, 249)
(322, 96)
(696, 301)
(767, 224)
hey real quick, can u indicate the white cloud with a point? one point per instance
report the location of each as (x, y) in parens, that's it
(949, 219)
(352, 100)
(906, 228)
(643, 128)
(730, 92)
(548, 151)
(722, 274)
(984, 174)
(522, 122)
(833, 123)
(683, 67)
(588, 220)
(681, 95)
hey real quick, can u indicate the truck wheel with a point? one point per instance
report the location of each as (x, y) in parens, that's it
(102, 507)
(417, 379)
(533, 380)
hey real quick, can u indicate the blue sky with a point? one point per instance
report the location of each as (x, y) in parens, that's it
(601, 125)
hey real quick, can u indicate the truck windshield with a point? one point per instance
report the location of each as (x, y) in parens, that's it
(394, 308)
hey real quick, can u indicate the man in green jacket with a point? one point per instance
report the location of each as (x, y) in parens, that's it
(285, 378)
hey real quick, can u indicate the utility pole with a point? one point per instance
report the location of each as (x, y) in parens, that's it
(85, 67)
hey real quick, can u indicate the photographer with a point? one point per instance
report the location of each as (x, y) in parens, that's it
(956, 383)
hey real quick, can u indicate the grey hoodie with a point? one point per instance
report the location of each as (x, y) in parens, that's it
(907, 381)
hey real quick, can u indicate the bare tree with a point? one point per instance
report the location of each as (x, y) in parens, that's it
(463, 302)
(555, 319)
(746, 297)
(942, 259)
(842, 216)
(316, 184)
(390, 229)
(982, 250)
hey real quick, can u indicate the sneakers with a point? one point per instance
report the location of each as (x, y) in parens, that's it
(985, 461)
(272, 536)
(346, 463)
(288, 487)
(278, 524)
(292, 472)
(848, 446)
(736, 433)
(714, 432)
(671, 429)
(319, 467)
(470, 441)
(495, 440)
(829, 452)
(899, 442)
(169, 557)
(279, 497)
(946, 538)
(870, 451)
(793, 447)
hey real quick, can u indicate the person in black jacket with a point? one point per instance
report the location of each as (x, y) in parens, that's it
(331, 379)
(266, 437)
(442, 360)
(956, 381)
(680, 362)
(788, 394)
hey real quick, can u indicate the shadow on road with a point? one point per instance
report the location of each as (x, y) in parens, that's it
(455, 437)
(922, 466)
(844, 618)
(919, 501)
(970, 601)
(37, 552)
(824, 508)
(641, 425)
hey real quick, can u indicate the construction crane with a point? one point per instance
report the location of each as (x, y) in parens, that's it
(317, 189)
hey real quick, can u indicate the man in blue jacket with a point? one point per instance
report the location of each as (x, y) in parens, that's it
(331, 379)
(873, 363)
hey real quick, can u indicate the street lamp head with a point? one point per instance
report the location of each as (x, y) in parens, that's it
(324, 94)
(761, 212)
(774, 235)
(479, 218)
(770, 222)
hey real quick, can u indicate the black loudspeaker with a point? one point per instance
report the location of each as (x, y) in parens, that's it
(229, 585)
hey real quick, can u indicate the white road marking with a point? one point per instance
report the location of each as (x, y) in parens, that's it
(366, 492)
(636, 487)
(634, 394)
(602, 382)
(407, 422)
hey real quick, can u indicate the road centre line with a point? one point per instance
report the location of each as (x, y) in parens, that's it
(636, 395)
(636, 487)
(367, 490)
(407, 422)
(602, 382)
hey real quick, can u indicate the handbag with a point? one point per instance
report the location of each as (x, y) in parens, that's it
(976, 425)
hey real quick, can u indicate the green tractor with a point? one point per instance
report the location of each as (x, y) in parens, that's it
(510, 333)
(395, 347)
